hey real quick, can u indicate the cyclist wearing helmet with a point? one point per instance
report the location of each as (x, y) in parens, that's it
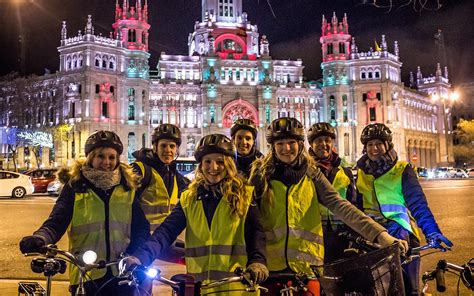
(161, 182)
(321, 137)
(223, 229)
(99, 197)
(289, 189)
(391, 194)
(244, 135)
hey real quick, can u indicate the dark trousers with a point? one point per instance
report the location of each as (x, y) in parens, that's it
(334, 245)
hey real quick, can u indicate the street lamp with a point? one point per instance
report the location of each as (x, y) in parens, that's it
(447, 100)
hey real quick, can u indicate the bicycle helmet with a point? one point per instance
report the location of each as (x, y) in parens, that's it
(214, 143)
(321, 129)
(166, 131)
(284, 128)
(246, 124)
(103, 138)
(376, 131)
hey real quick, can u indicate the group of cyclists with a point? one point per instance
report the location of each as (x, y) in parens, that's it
(280, 212)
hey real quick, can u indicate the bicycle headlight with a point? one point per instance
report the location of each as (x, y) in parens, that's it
(151, 273)
(89, 257)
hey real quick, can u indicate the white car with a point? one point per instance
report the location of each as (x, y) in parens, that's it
(15, 185)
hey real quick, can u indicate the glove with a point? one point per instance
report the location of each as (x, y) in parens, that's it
(438, 237)
(258, 272)
(127, 264)
(385, 240)
(32, 244)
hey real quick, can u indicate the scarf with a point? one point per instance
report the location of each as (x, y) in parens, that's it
(290, 174)
(244, 163)
(104, 180)
(326, 165)
(379, 167)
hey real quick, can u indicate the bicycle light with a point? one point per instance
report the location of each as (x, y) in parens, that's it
(89, 257)
(151, 273)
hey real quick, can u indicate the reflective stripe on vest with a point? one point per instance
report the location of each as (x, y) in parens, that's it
(155, 200)
(341, 182)
(300, 242)
(87, 228)
(213, 254)
(386, 190)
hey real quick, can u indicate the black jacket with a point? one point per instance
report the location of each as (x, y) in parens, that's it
(59, 219)
(175, 223)
(244, 163)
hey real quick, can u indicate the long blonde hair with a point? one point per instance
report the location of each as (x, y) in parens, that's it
(232, 187)
(126, 170)
(263, 169)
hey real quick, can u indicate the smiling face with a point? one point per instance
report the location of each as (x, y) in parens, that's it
(105, 159)
(286, 150)
(243, 140)
(375, 149)
(322, 147)
(213, 168)
(166, 150)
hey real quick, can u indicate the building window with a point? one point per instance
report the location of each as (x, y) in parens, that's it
(332, 108)
(131, 110)
(346, 144)
(105, 109)
(226, 8)
(342, 48)
(329, 47)
(97, 88)
(377, 74)
(131, 36)
(73, 110)
(345, 117)
(370, 75)
(372, 114)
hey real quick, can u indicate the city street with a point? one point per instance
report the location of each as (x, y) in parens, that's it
(450, 200)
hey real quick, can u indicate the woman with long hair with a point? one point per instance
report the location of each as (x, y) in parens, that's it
(98, 196)
(289, 189)
(223, 229)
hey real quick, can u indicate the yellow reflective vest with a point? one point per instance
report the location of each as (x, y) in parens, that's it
(293, 227)
(213, 254)
(155, 200)
(340, 183)
(87, 230)
(385, 193)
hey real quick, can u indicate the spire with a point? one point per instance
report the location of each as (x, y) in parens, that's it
(345, 24)
(418, 73)
(396, 49)
(89, 29)
(334, 22)
(64, 31)
(384, 43)
(446, 72)
(353, 46)
(124, 9)
(264, 46)
(438, 70)
(412, 80)
(323, 26)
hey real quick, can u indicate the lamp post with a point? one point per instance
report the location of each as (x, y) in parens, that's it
(446, 100)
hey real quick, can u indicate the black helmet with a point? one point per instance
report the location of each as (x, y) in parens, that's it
(214, 143)
(166, 131)
(321, 129)
(246, 124)
(284, 128)
(103, 138)
(376, 131)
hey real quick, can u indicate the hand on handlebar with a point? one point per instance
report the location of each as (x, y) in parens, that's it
(32, 244)
(385, 240)
(127, 264)
(258, 272)
(439, 238)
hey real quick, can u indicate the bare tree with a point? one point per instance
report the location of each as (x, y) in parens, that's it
(417, 5)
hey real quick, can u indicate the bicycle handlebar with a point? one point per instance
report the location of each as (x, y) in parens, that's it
(465, 272)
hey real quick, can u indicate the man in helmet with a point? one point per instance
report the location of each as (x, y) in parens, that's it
(321, 137)
(391, 195)
(244, 135)
(161, 184)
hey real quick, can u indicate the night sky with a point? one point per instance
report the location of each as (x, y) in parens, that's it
(294, 33)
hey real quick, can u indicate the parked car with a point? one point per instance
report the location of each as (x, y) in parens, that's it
(41, 178)
(441, 172)
(458, 173)
(422, 172)
(15, 184)
(55, 187)
(470, 173)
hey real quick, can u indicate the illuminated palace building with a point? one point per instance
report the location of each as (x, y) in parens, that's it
(106, 83)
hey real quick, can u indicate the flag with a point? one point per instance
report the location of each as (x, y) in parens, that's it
(377, 47)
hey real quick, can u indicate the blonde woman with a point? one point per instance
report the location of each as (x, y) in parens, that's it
(99, 195)
(289, 189)
(223, 229)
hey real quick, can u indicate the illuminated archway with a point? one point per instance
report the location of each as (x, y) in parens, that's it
(236, 109)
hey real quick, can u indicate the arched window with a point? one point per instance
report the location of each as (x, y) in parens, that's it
(329, 48)
(131, 36)
(68, 63)
(97, 61)
(131, 108)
